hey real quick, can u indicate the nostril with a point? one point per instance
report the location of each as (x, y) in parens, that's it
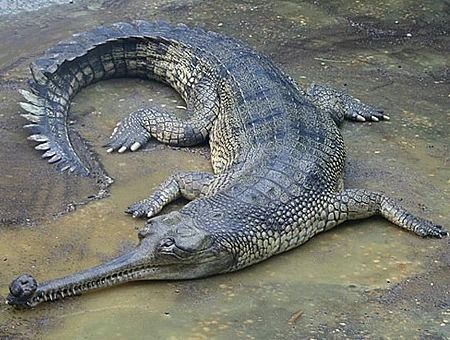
(23, 286)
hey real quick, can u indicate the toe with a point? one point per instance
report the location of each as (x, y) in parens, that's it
(360, 118)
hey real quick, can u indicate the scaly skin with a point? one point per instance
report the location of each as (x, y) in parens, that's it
(276, 151)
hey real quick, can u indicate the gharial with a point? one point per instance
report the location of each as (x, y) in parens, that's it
(276, 152)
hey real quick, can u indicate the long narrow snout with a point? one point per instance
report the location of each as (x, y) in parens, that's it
(171, 247)
(148, 261)
(138, 264)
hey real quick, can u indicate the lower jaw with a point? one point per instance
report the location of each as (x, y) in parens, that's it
(44, 295)
(123, 269)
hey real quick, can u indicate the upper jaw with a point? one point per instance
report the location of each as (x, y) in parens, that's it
(138, 264)
(22, 292)
(25, 292)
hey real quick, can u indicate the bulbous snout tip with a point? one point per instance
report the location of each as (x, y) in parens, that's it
(21, 290)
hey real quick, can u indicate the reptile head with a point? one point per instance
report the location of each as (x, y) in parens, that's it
(170, 247)
(180, 248)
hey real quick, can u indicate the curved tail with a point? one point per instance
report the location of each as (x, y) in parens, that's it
(117, 50)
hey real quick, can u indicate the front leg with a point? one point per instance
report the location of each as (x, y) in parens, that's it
(189, 185)
(341, 106)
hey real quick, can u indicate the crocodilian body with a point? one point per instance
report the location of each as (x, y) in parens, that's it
(276, 152)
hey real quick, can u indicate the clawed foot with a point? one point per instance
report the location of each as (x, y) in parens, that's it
(342, 106)
(360, 112)
(128, 134)
(142, 208)
(429, 229)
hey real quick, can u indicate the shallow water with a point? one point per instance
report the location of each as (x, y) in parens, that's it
(360, 280)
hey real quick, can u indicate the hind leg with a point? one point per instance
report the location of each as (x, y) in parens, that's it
(357, 204)
(136, 129)
(341, 106)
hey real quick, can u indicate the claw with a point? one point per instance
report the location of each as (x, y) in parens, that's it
(386, 117)
(135, 146)
(122, 149)
(360, 118)
(110, 150)
(375, 119)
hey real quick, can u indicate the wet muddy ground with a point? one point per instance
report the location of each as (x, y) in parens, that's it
(365, 279)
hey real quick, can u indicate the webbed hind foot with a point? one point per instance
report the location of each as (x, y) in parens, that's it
(129, 133)
(359, 203)
(341, 106)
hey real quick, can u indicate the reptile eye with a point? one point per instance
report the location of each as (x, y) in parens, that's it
(217, 215)
(166, 243)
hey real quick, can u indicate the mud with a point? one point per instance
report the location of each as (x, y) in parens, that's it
(363, 280)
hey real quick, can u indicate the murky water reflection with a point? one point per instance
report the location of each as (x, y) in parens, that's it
(340, 284)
